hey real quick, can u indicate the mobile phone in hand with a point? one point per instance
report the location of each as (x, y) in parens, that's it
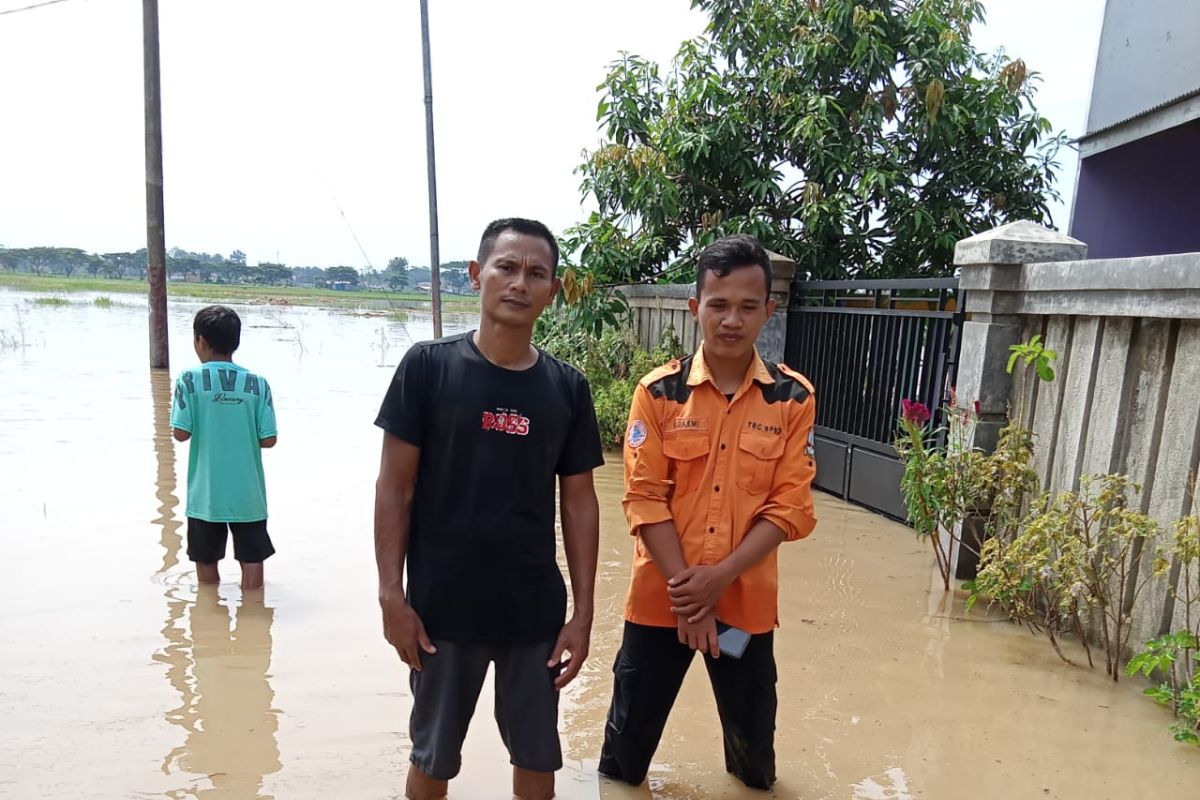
(731, 640)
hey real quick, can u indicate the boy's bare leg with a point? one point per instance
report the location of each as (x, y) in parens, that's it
(252, 575)
(529, 785)
(422, 787)
(207, 573)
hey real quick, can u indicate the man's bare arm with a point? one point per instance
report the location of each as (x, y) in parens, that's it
(581, 541)
(394, 491)
(662, 540)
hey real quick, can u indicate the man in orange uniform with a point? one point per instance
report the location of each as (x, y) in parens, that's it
(718, 474)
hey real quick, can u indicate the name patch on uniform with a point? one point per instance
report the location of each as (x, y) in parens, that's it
(689, 424)
(758, 426)
(637, 434)
(811, 448)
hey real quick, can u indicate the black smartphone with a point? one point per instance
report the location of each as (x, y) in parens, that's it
(731, 640)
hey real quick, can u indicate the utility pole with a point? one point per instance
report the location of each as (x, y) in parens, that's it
(434, 257)
(156, 242)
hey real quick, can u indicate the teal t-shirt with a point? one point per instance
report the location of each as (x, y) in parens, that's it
(227, 409)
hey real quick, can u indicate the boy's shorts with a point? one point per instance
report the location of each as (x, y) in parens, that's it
(445, 692)
(206, 541)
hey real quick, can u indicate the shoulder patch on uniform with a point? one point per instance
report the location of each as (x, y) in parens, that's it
(636, 436)
(670, 381)
(789, 385)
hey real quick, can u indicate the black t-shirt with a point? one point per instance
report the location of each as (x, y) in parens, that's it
(481, 552)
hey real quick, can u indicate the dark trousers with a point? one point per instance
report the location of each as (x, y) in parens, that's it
(648, 672)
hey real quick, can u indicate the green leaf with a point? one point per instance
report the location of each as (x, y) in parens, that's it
(1012, 362)
(1044, 371)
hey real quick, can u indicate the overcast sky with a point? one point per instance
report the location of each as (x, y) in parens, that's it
(277, 112)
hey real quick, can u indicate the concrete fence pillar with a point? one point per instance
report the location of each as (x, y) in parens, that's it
(990, 264)
(772, 341)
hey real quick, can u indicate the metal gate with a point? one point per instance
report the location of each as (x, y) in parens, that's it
(867, 345)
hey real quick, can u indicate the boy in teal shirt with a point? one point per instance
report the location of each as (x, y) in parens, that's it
(229, 415)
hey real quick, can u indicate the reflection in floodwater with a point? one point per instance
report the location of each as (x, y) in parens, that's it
(164, 455)
(219, 672)
(221, 675)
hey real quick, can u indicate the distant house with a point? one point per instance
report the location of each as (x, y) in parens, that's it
(425, 286)
(1139, 173)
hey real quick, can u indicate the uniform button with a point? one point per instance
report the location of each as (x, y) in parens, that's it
(716, 488)
(712, 530)
(722, 446)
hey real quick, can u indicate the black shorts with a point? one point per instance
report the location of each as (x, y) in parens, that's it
(206, 541)
(445, 692)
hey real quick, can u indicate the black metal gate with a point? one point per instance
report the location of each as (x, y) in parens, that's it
(867, 345)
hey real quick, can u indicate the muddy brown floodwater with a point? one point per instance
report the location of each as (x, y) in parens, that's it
(119, 678)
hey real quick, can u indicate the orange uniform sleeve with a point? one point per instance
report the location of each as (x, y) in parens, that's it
(789, 506)
(647, 486)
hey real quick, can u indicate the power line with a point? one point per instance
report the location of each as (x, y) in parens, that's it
(33, 7)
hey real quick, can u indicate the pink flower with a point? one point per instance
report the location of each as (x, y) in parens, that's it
(914, 412)
(977, 408)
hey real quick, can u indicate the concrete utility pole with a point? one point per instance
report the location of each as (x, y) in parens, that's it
(434, 257)
(156, 242)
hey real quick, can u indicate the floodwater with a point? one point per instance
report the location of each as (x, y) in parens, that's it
(120, 678)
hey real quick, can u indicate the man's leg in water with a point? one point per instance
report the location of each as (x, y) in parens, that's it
(206, 546)
(422, 787)
(746, 702)
(530, 785)
(527, 716)
(251, 547)
(252, 575)
(444, 694)
(648, 672)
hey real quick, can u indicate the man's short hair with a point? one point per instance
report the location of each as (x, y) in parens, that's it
(221, 328)
(733, 252)
(528, 227)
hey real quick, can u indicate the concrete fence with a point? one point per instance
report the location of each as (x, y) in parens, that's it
(655, 307)
(1126, 397)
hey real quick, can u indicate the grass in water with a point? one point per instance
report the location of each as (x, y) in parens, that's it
(104, 302)
(54, 302)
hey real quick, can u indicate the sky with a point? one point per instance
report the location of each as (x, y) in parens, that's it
(291, 129)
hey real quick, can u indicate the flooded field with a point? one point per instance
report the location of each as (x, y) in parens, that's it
(120, 678)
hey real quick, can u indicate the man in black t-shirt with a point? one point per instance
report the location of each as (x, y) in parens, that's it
(476, 428)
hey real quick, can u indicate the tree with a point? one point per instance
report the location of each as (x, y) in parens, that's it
(348, 274)
(273, 274)
(457, 280)
(859, 137)
(396, 274)
(238, 257)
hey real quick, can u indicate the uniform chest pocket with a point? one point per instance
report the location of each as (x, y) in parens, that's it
(758, 455)
(686, 454)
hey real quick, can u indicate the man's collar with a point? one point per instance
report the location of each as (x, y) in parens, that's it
(701, 373)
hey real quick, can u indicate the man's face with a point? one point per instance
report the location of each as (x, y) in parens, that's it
(732, 310)
(517, 281)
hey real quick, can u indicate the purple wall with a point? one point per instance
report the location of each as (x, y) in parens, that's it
(1142, 198)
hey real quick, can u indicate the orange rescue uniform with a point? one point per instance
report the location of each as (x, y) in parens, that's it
(715, 466)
